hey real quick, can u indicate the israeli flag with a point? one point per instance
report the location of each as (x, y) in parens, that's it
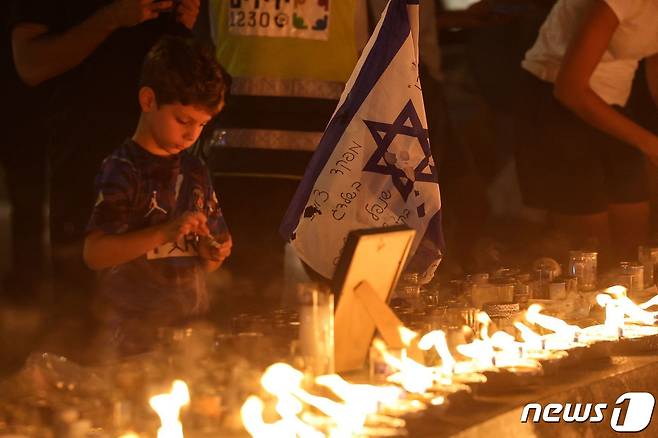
(373, 166)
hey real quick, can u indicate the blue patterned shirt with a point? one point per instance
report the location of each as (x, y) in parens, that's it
(135, 190)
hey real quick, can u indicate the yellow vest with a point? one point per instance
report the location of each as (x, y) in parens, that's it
(255, 38)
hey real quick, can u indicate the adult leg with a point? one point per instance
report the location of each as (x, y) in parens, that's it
(629, 228)
(561, 171)
(462, 188)
(586, 231)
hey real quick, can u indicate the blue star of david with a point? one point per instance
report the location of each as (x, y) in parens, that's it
(384, 134)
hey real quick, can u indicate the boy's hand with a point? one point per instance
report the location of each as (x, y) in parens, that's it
(128, 13)
(187, 12)
(188, 222)
(215, 250)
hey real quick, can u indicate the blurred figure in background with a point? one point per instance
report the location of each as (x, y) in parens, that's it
(583, 159)
(494, 47)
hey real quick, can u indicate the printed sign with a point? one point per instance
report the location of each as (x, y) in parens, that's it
(306, 19)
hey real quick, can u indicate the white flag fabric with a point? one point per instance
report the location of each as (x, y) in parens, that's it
(373, 166)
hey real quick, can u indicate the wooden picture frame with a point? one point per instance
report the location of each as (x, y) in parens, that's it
(367, 272)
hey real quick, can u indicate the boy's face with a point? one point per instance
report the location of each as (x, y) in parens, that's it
(175, 127)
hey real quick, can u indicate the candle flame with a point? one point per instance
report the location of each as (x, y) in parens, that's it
(485, 322)
(635, 313)
(652, 302)
(168, 407)
(407, 335)
(353, 408)
(346, 417)
(411, 375)
(532, 339)
(557, 325)
(437, 339)
(288, 426)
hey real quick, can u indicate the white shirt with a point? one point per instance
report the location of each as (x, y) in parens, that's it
(635, 38)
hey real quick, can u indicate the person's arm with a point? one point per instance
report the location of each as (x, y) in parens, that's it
(102, 250)
(572, 86)
(651, 73)
(188, 12)
(40, 56)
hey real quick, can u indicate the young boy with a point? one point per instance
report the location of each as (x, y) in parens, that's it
(156, 228)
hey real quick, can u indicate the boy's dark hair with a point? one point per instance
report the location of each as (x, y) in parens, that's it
(184, 70)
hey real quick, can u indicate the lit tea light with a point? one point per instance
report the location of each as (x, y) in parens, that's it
(412, 376)
(635, 313)
(168, 408)
(557, 325)
(650, 303)
(437, 339)
(614, 315)
(533, 340)
(359, 403)
(251, 414)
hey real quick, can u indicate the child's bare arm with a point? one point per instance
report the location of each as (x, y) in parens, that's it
(573, 89)
(103, 250)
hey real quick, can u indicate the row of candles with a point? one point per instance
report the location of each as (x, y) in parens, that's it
(413, 386)
(296, 404)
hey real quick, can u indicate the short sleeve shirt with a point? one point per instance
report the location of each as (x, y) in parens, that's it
(136, 189)
(635, 38)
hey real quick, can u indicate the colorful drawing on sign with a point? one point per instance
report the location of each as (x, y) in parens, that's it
(322, 23)
(304, 19)
(298, 21)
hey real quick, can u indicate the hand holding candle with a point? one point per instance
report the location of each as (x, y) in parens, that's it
(187, 223)
(216, 249)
